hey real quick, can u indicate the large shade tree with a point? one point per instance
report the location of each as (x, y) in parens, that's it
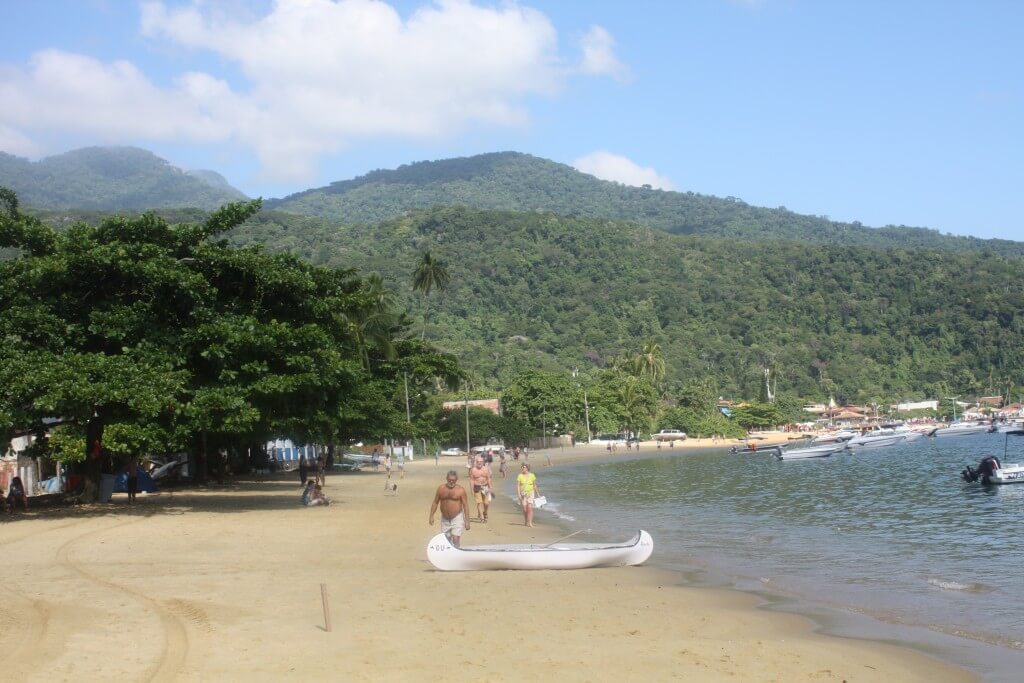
(171, 339)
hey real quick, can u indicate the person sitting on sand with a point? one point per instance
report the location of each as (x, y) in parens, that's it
(15, 493)
(307, 491)
(317, 497)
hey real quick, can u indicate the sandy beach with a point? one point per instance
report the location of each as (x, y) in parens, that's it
(224, 584)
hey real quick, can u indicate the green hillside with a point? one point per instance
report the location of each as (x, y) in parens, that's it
(520, 182)
(539, 290)
(111, 179)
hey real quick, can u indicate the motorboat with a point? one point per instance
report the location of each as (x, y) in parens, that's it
(842, 435)
(875, 440)
(962, 429)
(444, 555)
(819, 451)
(991, 471)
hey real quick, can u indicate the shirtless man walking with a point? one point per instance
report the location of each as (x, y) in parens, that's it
(480, 478)
(452, 499)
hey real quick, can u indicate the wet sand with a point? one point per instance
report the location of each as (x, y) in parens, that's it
(224, 584)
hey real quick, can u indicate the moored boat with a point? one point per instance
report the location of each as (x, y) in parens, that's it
(446, 557)
(991, 471)
(875, 440)
(962, 429)
(822, 451)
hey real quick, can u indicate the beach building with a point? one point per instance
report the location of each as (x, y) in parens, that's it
(916, 405)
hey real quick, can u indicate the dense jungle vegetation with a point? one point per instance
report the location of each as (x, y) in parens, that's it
(533, 290)
(520, 182)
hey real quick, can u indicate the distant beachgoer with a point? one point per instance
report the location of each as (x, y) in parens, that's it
(437, 456)
(452, 499)
(317, 497)
(548, 456)
(526, 491)
(401, 465)
(480, 479)
(503, 465)
(387, 464)
(469, 463)
(16, 493)
(321, 470)
(303, 470)
(526, 454)
(132, 470)
(515, 453)
(307, 491)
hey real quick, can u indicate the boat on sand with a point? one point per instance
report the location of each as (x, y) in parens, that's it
(446, 557)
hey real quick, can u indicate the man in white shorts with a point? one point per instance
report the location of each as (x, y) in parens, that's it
(453, 502)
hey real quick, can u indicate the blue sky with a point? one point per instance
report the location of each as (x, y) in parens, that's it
(884, 112)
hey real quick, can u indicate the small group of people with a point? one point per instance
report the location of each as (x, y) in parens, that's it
(313, 487)
(453, 500)
(16, 493)
(313, 494)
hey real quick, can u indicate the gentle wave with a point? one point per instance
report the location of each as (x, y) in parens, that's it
(957, 586)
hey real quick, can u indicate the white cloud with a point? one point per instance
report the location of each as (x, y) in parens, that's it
(599, 58)
(320, 74)
(617, 168)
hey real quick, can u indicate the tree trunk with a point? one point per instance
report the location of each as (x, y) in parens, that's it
(93, 458)
(426, 310)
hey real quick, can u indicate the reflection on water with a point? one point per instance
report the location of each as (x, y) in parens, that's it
(891, 531)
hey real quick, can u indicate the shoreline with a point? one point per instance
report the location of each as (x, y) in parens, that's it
(224, 583)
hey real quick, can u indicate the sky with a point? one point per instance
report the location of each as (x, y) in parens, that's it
(887, 113)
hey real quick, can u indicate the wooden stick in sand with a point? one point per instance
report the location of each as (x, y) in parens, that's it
(327, 606)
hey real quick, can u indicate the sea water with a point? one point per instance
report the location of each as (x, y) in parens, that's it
(885, 543)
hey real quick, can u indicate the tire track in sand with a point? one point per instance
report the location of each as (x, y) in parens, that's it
(174, 647)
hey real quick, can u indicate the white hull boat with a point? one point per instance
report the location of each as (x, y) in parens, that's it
(875, 441)
(446, 557)
(991, 471)
(811, 452)
(962, 430)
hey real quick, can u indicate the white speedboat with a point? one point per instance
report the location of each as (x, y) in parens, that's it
(991, 471)
(962, 429)
(834, 437)
(446, 557)
(822, 451)
(875, 440)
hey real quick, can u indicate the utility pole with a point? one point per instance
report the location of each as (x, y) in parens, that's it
(467, 418)
(408, 415)
(586, 405)
(544, 422)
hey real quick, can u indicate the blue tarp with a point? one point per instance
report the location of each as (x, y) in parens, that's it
(145, 482)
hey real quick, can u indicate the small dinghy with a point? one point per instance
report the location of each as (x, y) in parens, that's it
(991, 471)
(446, 557)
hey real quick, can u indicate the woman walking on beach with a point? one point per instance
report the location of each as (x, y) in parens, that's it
(526, 491)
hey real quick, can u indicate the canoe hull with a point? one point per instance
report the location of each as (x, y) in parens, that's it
(446, 557)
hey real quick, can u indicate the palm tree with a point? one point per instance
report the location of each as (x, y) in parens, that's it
(428, 275)
(373, 323)
(651, 362)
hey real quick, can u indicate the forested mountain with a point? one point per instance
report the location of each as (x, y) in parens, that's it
(520, 182)
(540, 290)
(112, 179)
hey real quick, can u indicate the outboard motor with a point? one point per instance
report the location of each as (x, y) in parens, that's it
(986, 468)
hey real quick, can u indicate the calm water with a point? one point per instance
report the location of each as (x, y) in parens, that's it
(888, 543)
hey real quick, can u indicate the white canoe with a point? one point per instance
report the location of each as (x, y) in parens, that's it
(811, 452)
(446, 557)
